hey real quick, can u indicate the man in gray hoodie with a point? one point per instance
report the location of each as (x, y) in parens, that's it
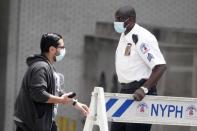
(35, 103)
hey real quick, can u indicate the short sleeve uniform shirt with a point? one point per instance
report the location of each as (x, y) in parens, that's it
(136, 59)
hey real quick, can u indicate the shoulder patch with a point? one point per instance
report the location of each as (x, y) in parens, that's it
(150, 57)
(144, 48)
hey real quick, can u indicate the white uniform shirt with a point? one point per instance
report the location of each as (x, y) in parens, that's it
(143, 56)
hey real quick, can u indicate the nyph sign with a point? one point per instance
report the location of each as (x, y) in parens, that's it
(152, 109)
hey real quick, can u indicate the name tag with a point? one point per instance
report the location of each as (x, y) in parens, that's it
(128, 49)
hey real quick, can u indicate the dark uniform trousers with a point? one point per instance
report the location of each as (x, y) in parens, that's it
(22, 127)
(130, 89)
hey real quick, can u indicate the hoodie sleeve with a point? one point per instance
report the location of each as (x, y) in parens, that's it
(38, 85)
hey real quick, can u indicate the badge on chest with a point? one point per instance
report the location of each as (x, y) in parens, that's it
(128, 49)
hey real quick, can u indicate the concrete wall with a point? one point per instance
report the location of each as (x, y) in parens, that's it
(74, 19)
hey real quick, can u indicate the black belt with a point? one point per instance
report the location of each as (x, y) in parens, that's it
(134, 83)
(131, 87)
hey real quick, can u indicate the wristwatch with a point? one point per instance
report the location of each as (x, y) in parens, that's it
(144, 89)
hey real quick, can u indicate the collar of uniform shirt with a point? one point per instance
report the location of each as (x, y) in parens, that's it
(133, 31)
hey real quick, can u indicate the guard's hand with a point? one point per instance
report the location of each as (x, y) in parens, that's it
(82, 108)
(139, 94)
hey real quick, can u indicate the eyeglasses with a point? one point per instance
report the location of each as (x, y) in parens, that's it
(61, 47)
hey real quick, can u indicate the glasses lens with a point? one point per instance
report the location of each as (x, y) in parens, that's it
(61, 47)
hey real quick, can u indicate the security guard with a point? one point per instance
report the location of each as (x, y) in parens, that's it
(139, 62)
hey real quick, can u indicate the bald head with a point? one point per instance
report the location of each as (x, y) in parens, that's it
(125, 19)
(126, 12)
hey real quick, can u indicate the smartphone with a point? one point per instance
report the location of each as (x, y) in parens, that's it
(71, 95)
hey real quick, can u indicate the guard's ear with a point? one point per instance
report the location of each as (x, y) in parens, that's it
(128, 22)
(135, 38)
(131, 21)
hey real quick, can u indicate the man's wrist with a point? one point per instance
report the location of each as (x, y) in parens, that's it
(74, 102)
(145, 89)
(61, 100)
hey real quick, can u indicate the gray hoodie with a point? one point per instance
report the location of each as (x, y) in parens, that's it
(38, 82)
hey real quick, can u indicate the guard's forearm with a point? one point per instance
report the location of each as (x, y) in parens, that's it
(156, 74)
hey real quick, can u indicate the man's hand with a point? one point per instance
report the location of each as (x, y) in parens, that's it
(82, 108)
(65, 99)
(139, 94)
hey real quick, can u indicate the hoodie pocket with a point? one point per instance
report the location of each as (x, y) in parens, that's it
(43, 123)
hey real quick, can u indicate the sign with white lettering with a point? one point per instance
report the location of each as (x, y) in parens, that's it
(152, 109)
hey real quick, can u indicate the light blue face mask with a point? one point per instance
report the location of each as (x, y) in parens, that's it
(119, 27)
(61, 55)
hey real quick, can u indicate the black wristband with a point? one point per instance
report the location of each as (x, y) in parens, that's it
(74, 102)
